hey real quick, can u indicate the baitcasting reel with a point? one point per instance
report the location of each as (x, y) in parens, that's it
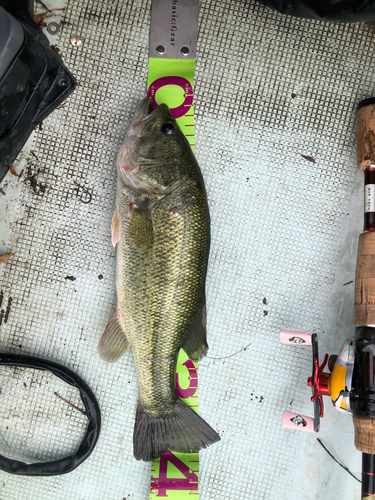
(337, 383)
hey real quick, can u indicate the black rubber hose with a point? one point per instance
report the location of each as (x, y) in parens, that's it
(67, 464)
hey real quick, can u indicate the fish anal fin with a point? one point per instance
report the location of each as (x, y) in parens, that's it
(196, 346)
(115, 228)
(113, 343)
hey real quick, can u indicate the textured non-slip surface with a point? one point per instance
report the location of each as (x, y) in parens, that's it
(275, 102)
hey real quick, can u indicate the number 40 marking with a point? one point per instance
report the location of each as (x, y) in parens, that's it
(164, 483)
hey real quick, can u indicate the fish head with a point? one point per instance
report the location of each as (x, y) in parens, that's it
(152, 156)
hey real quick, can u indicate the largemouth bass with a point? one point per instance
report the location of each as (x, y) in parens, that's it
(161, 227)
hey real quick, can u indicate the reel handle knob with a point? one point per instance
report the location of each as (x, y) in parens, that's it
(296, 421)
(293, 337)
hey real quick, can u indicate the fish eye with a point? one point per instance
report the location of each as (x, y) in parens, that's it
(167, 128)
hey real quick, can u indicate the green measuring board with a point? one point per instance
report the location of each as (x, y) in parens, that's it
(176, 475)
(172, 54)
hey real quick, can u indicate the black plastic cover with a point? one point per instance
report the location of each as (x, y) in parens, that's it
(344, 11)
(11, 39)
(35, 83)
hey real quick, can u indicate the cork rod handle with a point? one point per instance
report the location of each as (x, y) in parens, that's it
(364, 434)
(366, 137)
(364, 299)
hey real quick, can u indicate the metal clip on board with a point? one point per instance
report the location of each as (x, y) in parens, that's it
(350, 381)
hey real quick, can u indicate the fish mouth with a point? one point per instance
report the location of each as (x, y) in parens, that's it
(143, 111)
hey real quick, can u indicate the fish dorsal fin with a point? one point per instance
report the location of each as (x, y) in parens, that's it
(140, 230)
(196, 346)
(115, 228)
(113, 343)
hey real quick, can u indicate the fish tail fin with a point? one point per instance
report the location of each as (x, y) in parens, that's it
(179, 430)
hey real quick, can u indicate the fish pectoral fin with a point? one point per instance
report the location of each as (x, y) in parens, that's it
(113, 343)
(196, 346)
(115, 228)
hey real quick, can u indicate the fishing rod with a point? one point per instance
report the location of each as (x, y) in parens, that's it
(350, 380)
